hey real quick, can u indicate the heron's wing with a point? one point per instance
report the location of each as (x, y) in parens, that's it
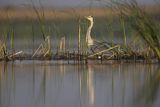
(103, 44)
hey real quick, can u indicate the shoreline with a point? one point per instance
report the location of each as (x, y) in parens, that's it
(81, 59)
(66, 13)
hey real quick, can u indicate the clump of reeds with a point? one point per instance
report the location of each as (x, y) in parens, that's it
(143, 25)
(7, 49)
(44, 48)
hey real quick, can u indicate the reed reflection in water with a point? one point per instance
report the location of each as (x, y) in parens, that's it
(52, 84)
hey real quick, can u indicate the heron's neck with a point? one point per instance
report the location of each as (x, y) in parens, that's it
(89, 29)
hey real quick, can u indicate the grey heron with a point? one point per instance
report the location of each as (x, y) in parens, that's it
(91, 42)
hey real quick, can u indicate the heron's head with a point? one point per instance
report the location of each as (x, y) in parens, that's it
(90, 18)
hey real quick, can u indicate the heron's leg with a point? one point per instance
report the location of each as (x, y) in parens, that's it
(92, 50)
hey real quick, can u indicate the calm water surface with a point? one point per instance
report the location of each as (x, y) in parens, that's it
(52, 84)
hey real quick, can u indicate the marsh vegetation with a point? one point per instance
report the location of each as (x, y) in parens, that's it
(130, 30)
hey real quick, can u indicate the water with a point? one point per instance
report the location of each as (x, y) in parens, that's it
(56, 84)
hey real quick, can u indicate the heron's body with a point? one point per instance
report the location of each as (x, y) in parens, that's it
(89, 39)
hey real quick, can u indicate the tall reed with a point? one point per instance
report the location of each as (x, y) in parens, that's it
(122, 21)
(10, 29)
(44, 47)
(41, 19)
